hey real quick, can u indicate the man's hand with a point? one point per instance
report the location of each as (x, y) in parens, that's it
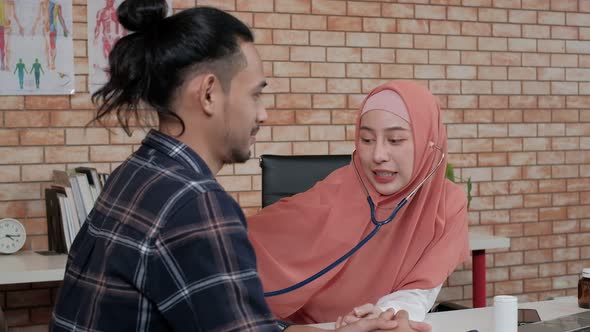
(365, 311)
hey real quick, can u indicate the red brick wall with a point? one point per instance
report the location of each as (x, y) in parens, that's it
(513, 78)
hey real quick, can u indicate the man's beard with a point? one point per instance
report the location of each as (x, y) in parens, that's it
(238, 153)
(239, 156)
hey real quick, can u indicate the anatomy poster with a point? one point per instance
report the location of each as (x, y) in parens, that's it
(104, 31)
(36, 47)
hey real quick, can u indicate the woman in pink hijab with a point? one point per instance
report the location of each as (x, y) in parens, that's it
(399, 141)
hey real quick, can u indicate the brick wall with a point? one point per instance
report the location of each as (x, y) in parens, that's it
(513, 78)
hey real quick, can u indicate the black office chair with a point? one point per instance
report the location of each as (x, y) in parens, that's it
(284, 176)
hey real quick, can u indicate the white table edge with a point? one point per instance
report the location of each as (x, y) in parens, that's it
(483, 242)
(7, 278)
(30, 266)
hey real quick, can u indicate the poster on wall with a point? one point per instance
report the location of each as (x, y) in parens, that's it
(104, 30)
(36, 47)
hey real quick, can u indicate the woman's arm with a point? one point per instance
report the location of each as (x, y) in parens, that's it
(417, 302)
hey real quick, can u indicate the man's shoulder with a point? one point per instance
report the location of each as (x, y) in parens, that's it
(164, 172)
(151, 188)
(197, 205)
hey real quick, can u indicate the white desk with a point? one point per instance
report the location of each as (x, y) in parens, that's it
(28, 266)
(483, 242)
(481, 319)
(479, 243)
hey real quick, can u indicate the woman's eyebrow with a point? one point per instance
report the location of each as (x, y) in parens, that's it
(394, 128)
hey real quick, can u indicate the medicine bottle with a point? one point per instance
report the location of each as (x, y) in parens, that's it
(584, 289)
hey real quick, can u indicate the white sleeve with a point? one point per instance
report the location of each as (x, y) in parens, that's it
(417, 302)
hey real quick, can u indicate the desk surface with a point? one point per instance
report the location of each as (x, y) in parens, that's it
(481, 319)
(484, 242)
(28, 266)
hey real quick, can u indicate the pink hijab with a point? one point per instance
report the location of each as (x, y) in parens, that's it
(298, 236)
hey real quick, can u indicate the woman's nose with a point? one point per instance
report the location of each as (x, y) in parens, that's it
(380, 154)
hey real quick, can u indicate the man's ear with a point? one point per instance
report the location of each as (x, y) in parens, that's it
(208, 93)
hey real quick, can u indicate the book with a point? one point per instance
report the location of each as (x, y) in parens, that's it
(92, 175)
(85, 191)
(62, 180)
(55, 235)
(65, 219)
(79, 201)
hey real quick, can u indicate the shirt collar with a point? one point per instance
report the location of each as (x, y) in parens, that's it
(176, 150)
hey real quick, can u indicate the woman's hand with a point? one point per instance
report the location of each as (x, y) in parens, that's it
(384, 322)
(368, 311)
(381, 322)
(405, 324)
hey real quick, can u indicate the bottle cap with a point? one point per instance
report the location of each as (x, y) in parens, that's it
(586, 273)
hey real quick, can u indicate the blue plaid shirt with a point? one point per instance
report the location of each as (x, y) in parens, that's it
(164, 249)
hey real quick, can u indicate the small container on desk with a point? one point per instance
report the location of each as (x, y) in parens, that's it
(505, 313)
(584, 289)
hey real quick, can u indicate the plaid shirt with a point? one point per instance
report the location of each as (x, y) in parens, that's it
(165, 248)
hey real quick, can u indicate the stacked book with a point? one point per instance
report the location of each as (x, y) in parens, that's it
(69, 201)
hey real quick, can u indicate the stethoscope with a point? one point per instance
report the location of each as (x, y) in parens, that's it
(378, 224)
